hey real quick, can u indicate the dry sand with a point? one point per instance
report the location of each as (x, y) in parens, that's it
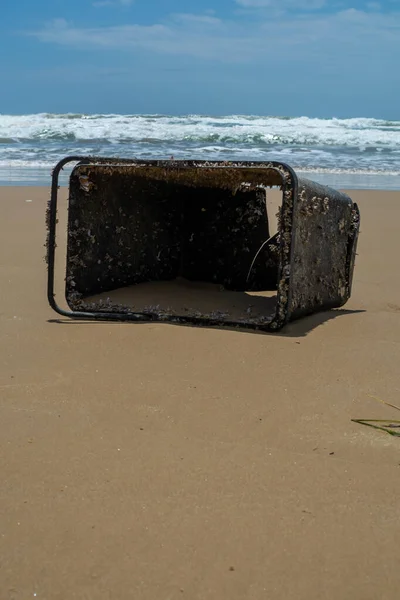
(152, 461)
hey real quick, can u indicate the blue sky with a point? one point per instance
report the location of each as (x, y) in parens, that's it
(283, 57)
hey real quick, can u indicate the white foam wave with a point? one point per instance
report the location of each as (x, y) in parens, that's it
(360, 133)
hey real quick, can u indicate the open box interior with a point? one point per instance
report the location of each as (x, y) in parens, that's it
(180, 241)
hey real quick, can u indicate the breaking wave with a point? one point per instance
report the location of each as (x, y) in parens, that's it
(350, 146)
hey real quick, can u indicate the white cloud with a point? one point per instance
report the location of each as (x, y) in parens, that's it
(356, 38)
(190, 19)
(283, 4)
(183, 35)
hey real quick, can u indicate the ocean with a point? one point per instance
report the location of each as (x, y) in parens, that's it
(345, 153)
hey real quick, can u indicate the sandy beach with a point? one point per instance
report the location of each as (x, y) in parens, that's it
(157, 462)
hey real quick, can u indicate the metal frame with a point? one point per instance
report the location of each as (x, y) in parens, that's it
(286, 232)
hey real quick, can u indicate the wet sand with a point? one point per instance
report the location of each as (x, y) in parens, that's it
(153, 461)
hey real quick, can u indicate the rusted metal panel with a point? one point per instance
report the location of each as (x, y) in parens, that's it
(324, 239)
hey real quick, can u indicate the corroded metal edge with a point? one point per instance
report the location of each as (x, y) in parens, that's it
(285, 232)
(352, 249)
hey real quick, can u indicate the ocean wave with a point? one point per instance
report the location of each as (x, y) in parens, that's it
(341, 146)
(229, 130)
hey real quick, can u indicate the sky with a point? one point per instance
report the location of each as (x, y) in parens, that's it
(317, 58)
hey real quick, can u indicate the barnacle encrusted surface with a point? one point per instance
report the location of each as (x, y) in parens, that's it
(132, 222)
